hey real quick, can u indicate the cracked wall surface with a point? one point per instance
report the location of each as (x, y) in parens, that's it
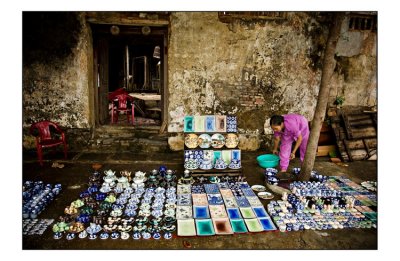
(250, 68)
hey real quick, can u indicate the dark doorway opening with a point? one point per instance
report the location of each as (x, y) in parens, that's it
(130, 58)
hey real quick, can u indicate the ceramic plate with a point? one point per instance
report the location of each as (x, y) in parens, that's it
(260, 212)
(234, 213)
(238, 226)
(265, 195)
(210, 123)
(217, 140)
(188, 124)
(184, 212)
(218, 211)
(253, 225)
(204, 141)
(231, 140)
(201, 212)
(200, 199)
(186, 227)
(258, 188)
(205, 227)
(254, 201)
(230, 202)
(247, 213)
(267, 224)
(220, 123)
(199, 123)
(222, 226)
(191, 140)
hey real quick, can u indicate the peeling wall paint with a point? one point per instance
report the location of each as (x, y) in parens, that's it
(56, 88)
(252, 69)
(257, 69)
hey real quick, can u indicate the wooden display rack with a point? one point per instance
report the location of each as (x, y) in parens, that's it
(216, 172)
(213, 171)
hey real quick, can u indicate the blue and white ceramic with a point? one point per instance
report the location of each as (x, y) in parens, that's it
(231, 124)
(83, 234)
(70, 236)
(235, 164)
(146, 235)
(104, 235)
(114, 235)
(156, 235)
(242, 202)
(210, 123)
(57, 235)
(167, 235)
(136, 235)
(124, 235)
(220, 164)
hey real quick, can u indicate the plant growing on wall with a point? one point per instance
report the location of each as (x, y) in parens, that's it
(339, 101)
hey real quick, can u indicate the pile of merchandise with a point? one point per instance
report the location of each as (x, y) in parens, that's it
(219, 209)
(328, 203)
(36, 196)
(122, 207)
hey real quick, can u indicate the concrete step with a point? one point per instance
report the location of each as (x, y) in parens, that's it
(112, 138)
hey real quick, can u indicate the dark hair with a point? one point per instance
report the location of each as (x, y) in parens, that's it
(276, 120)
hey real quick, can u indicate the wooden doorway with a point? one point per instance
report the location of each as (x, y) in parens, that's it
(133, 58)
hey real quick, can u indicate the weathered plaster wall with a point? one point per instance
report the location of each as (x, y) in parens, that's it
(251, 69)
(355, 75)
(57, 50)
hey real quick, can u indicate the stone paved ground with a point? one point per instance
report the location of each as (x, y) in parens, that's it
(74, 177)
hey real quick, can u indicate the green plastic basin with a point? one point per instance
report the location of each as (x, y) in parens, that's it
(268, 160)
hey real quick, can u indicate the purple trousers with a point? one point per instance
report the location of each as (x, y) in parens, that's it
(286, 149)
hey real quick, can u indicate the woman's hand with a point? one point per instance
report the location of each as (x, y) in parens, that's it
(292, 156)
(275, 152)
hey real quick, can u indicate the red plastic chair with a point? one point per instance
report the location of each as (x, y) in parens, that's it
(123, 103)
(46, 138)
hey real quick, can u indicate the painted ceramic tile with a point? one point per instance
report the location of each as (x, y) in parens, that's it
(222, 226)
(188, 154)
(198, 156)
(188, 125)
(215, 199)
(254, 201)
(186, 227)
(260, 212)
(242, 202)
(205, 227)
(223, 185)
(210, 123)
(231, 123)
(230, 202)
(199, 123)
(226, 193)
(208, 155)
(243, 185)
(184, 212)
(211, 188)
(248, 192)
(238, 226)
(247, 213)
(236, 155)
(183, 189)
(253, 225)
(184, 200)
(267, 224)
(227, 156)
(233, 213)
(201, 212)
(220, 122)
(218, 211)
(217, 155)
(198, 189)
(199, 199)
